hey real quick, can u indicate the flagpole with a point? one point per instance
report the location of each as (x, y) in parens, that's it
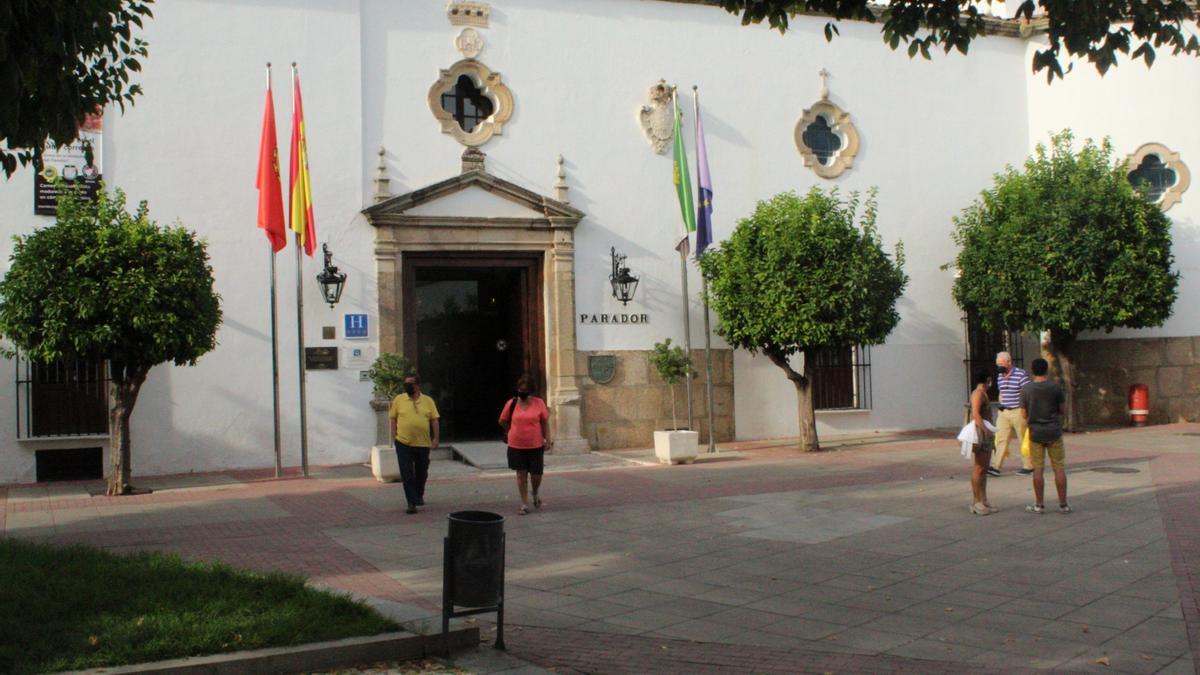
(274, 340)
(708, 367)
(687, 320)
(300, 322)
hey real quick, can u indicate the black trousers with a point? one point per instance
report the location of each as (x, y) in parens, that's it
(414, 471)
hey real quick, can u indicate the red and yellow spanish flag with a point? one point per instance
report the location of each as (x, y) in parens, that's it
(270, 191)
(300, 209)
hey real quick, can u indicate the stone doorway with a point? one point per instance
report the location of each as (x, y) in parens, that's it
(472, 325)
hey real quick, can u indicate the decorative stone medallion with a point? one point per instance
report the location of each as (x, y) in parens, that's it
(655, 117)
(469, 43)
(602, 368)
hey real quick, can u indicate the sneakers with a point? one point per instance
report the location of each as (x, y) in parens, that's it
(993, 471)
(1064, 508)
(412, 508)
(1024, 472)
(1035, 508)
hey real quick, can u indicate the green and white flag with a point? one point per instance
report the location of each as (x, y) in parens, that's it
(683, 183)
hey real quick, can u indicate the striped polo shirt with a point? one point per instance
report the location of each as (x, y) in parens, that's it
(1010, 387)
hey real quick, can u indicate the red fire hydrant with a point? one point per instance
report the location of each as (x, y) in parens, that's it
(1139, 404)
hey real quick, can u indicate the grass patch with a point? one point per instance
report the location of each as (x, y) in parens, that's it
(75, 607)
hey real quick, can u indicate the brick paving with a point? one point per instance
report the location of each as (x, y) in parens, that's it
(861, 560)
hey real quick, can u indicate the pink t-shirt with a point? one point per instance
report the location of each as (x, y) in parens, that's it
(525, 432)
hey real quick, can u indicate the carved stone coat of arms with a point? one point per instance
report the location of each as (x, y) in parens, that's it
(655, 117)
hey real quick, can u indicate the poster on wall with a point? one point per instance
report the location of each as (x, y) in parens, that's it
(70, 163)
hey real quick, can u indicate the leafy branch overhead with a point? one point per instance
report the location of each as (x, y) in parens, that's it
(1096, 30)
(61, 60)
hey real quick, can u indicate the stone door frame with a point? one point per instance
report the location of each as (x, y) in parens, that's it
(549, 230)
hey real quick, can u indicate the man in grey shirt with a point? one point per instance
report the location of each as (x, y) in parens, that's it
(1042, 403)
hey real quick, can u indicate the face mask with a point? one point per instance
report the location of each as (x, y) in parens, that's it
(410, 388)
(523, 395)
(1002, 370)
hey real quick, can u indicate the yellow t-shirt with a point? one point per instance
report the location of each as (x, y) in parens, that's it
(412, 419)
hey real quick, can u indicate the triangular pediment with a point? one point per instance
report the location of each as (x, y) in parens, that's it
(473, 195)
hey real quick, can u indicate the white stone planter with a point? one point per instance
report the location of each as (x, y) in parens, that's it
(676, 447)
(384, 465)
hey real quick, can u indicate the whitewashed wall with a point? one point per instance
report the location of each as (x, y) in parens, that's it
(1134, 105)
(932, 135)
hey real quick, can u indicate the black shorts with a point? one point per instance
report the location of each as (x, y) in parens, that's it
(532, 461)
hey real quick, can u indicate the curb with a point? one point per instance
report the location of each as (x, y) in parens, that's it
(313, 656)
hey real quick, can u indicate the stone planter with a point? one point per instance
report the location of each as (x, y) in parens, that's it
(676, 447)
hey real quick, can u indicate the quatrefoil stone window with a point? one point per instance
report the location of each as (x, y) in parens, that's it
(470, 102)
(1160, 172)
(826, 139)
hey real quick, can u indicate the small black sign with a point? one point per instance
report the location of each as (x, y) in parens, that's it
(320, 358)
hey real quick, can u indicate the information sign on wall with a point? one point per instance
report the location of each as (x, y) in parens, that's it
(70, 163)
(356, 327)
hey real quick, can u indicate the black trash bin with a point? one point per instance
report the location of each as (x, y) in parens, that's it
(473, 568)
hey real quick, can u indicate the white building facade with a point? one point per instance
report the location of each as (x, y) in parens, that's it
(482, 266)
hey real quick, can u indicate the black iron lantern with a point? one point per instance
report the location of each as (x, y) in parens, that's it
(332, 281)
(624, 284)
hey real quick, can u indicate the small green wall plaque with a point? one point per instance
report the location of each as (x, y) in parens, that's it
(602, 368)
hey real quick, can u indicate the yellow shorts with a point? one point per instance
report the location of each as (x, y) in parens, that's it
(1038, 452)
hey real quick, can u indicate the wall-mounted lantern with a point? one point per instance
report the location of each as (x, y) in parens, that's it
(332, 281)
(624, 284)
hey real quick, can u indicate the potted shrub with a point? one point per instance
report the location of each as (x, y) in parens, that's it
(387, 373)
(673, 445)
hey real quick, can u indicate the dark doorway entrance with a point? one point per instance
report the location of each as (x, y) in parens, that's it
(472, 325)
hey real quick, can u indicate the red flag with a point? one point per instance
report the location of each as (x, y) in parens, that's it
(270, 191)
(300, 208)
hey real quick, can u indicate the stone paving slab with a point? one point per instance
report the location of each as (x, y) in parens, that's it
(870, 560)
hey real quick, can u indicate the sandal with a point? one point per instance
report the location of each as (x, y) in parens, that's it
(537, 502)
(980, 510)
(1035, 508)
(524, 511)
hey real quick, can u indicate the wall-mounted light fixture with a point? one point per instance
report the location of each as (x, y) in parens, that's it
(332, 281)
(624, 284)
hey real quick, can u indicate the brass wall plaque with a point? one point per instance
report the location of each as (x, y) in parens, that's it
(328, 333)
(320, 358)
(602, 368)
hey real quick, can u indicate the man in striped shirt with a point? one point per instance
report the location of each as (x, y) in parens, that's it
(1010, 422)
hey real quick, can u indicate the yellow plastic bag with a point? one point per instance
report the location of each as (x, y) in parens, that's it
(1025, 443)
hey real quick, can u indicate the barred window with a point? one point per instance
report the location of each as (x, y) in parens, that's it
(64, 398)
(841, 378)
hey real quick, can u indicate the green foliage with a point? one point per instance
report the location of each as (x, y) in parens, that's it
(102, 283)
(76, 607)
(671, 363)
(1065, 244)
(61, 60)
(388, 373)
(1097, 30)
(799, 275)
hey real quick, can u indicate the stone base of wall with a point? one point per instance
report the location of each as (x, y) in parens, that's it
(1170, 367)
(625, 412)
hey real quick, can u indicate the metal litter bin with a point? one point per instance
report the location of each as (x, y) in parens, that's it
(473, 568)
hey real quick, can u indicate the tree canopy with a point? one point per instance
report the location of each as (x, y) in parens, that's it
(61, 60)
(801, 275)
(1065, 245)
(103, 284)
(1096, 30)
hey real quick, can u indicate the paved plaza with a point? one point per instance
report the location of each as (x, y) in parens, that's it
(862, 559)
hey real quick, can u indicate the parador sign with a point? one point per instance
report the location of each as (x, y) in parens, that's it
(613, 318)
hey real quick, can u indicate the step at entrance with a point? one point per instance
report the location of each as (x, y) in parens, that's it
(482, 454)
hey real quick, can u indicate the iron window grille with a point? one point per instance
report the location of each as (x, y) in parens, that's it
(981, 348)
(841, 378)
(65, 398)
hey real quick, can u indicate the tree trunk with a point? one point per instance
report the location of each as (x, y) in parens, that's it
(803, 384)
(1057, 348)
(123, 392)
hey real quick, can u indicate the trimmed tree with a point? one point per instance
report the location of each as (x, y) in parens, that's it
(1098, 31)
(1063, 246)
(61, 60)
(800, 276)
(103, 284)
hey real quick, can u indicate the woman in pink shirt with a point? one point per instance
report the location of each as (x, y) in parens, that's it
(527, 421)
